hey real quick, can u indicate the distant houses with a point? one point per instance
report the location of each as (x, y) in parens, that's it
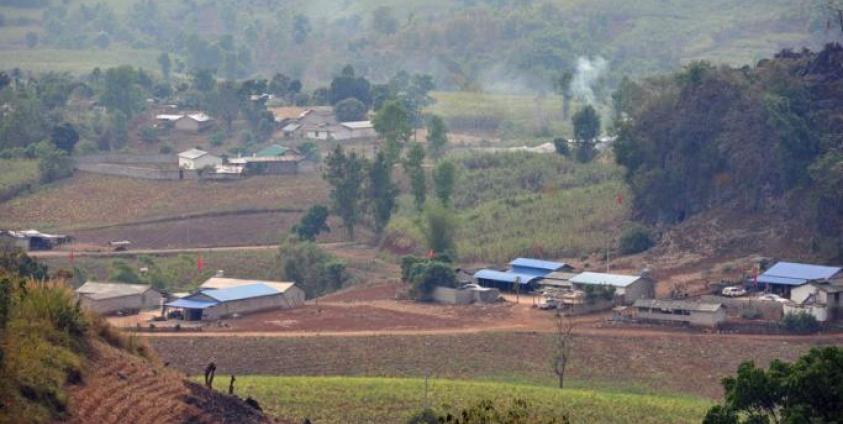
(320, 123)
(109, 298)
(272, 160)
(522, 272)
(191, 122)
(224, 297)
(29, 240)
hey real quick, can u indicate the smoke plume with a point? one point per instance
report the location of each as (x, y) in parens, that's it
(588, 74)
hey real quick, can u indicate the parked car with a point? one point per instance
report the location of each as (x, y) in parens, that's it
(734, 291)
(773, 298)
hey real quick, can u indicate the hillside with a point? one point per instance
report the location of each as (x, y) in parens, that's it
(501, 45)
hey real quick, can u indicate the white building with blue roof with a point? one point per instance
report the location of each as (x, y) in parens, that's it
(223, 297)
(783, 277)
(524, 272)
(628, 287)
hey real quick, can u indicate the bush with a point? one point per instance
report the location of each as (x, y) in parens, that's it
(561, 146)
(165, 149)
(800, 323)
(635, 240)
(427, 275)
(148, 134)
(217, 138)
(55, 165)
(314, 270)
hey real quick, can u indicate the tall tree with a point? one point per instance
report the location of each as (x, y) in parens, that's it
(312, 223)
(392, 122)
(444, 178)
(64, 137)
(586, 124)
(439, 227)
(563, 88)
(349, 110)
(381, 192)
(121, 91)
(345, 174)
(415, 171)
(437, 136)
(301, 28)
(166, 65)
(224, 102)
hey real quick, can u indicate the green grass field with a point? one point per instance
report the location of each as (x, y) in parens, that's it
(80, 61)
(393, 400)
(14, 172)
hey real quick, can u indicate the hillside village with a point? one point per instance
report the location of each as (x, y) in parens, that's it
(421, 213)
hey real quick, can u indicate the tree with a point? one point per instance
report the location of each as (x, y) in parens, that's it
(54, 165)
(203, 80)
(809, 390)
(345, 174)
(312, 223)
(383, 21)
(415, 171)
(444, 177)
(279, 85)
(426, 275)
(437, 136)
(348, 85)
(64, 137)
(313, 269)
(563, 342)
(224, 102)
(561, 146)
(439, 227)
(635, 239)
(301, 28)
(121, 91)
(563, 88)
(586, 129)
(350, 110)
(381, 192)
(166, 65)
(392, 122)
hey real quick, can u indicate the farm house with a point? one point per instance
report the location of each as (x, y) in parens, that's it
(223, 297)
(680, 311)
(783, 277)
(33, 240)
(628, 287)
(524, 271)
(107, 298)
(194, 159)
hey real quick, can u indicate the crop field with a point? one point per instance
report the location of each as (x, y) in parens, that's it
(394, 400)
(88, 200)
(14, 172)
(79, 62)
(692, 364)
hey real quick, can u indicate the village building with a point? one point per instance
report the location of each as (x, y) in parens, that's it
(195, 159)
(29, 240)
(109, 298)
(680, 311)
(783, 277)
(822, 299)
(192, 122)
(628, 288)
(558, 280)
(523, 272)
(223, 297)
(357, 130)
(274, 160)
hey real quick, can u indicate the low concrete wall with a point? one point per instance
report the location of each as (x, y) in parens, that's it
(452, 296)
(735, 306)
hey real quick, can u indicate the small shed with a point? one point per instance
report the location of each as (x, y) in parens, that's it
(109, 298)
(358, 130)
(629, 287)
(680, 311)
(195, 159)
(194, 122)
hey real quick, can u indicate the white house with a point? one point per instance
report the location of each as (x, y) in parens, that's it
(358, 129)
(106, 298)
(823, 300)
(681, 311)
(629, 287)
(195, 159)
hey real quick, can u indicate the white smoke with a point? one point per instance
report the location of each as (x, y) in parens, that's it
(588, 74)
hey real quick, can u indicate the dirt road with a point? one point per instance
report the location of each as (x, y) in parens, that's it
(130, 252)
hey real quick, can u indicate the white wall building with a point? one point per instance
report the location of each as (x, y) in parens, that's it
(107, 298)
(194, 159)
(629, 287)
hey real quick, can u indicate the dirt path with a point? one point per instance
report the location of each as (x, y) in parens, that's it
(66, 253)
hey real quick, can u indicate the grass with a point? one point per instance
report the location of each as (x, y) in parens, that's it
(80, 61)
(88, 200)
(14, 172)
(393, 400)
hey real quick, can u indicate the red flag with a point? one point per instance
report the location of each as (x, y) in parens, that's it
(199, 263)
(619, 198)
(71, 256)
(430, 254)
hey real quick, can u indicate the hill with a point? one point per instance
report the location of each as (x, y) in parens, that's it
(394, 400)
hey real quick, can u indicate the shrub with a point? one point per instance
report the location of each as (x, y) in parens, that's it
(55, 165)
(561, 146)
(800, 323)
(426, 275)
(217, 138)
(634, 240)
(148, 134)
(165, 149)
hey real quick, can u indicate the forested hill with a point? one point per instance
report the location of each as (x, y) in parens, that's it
(464, 44)
(764, 140)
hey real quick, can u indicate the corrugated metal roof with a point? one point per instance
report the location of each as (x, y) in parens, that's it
(560, 275)
(224, 283)
(537, 264)
(357, 125)
(192, 154)
(677, 305)
(273, 150)
(240, 292)
(504, 276)
(791, 273)
(597, 278)
(190, 304)
(96, 290)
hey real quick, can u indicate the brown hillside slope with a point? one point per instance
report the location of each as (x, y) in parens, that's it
(120, 388)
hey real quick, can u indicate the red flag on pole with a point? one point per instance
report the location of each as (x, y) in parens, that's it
(199, 263)
(430, 254)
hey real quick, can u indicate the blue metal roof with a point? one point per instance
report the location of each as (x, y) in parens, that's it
(536, 264)
(771, 279)
(597, 278)
(801, 271)
(240, 292)
(504, 276)
(190, 304)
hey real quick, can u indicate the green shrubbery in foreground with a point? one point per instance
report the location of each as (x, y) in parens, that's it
(395, 400)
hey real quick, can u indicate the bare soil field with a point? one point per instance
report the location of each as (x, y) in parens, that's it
(685, 363)
(94, 201)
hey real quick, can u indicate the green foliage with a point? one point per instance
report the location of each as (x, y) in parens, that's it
(444, 179)
(586, 123)
(426, 275)
(414, 170)
(407, 263)
(345, 174)
(311, 268)
(312, 223)
(348, 86)
(122, 271)
(518, 411)
(561, 146)
(217, 138)
(439, 226)
(600, 292)
(121, 90)
(350, 110)
(808, 390)
(635, 239)
(392, 122)
(148, 134)
(16, 262)
(54, 165)
(437, 136)
(64, 137)
(381, 192)
(800, 323)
